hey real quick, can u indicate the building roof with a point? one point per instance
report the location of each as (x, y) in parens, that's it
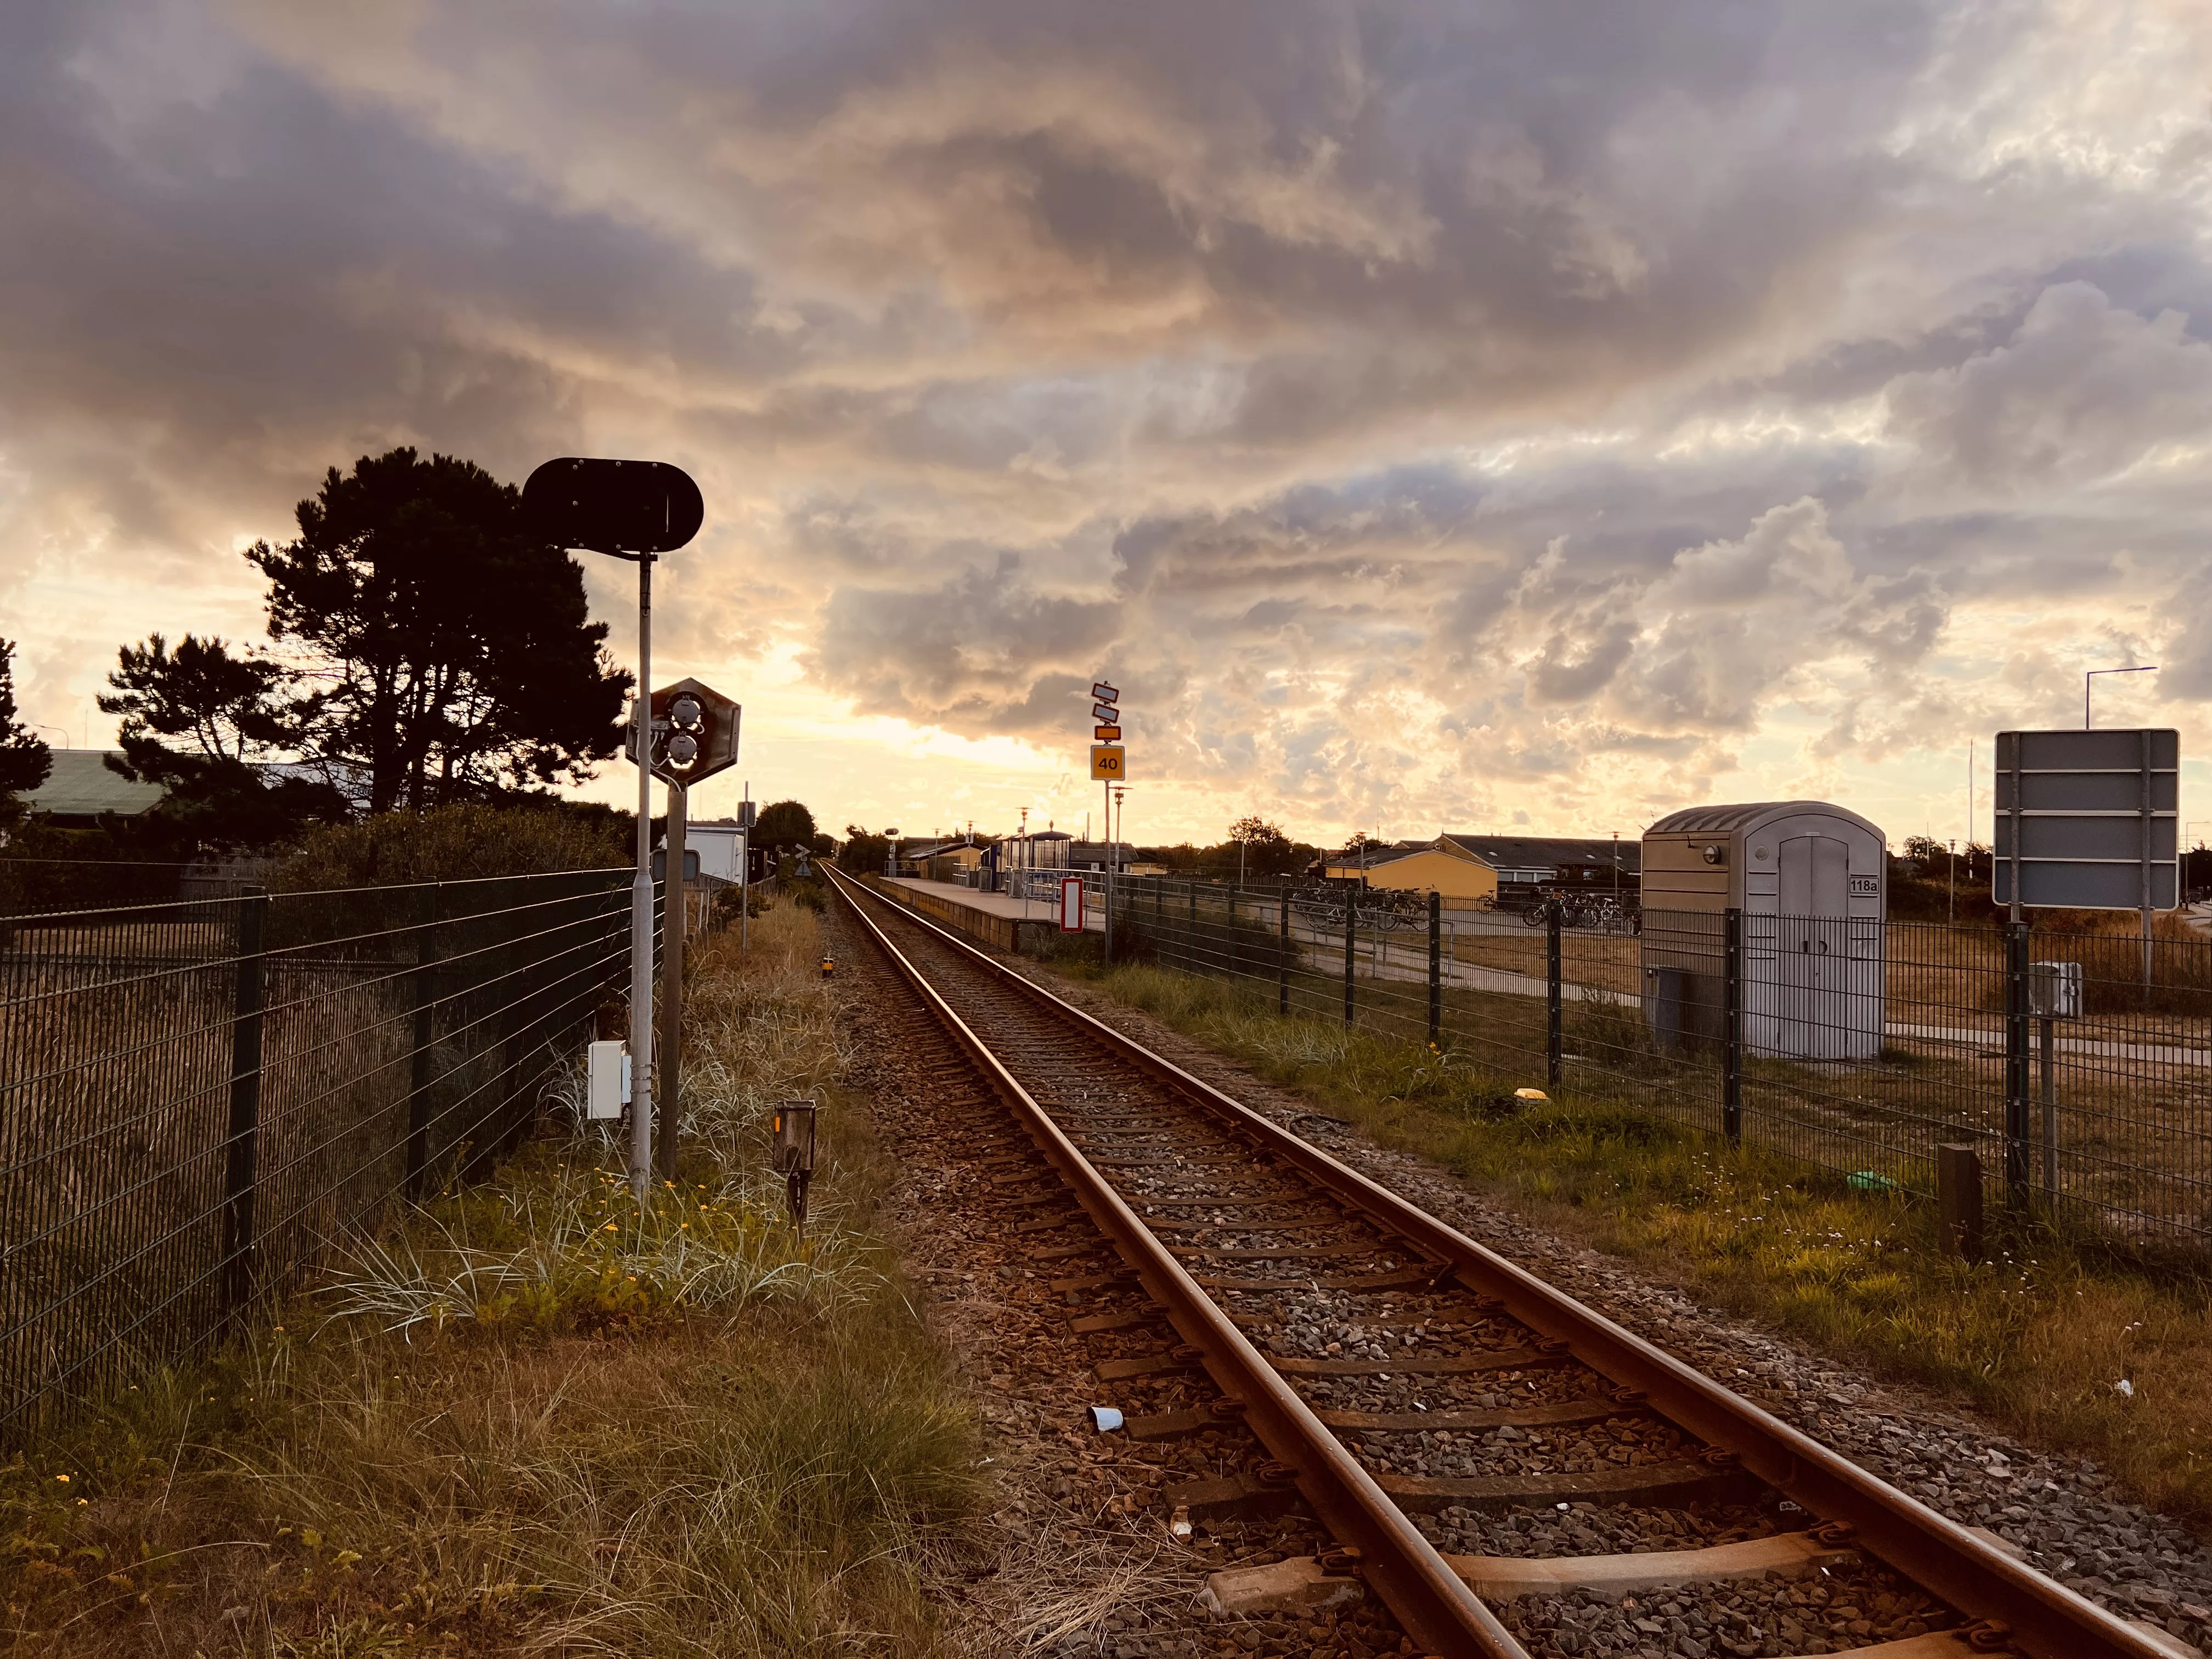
(81, 785)
(1532, 852)
(1377, 856)
(1744, 816)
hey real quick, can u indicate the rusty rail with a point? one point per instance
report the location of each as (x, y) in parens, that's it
(2039, 1616)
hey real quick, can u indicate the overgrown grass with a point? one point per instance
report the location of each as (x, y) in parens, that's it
(2037, 1337)
(533, 1419)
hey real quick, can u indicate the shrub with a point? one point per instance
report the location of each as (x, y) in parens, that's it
(458, 844)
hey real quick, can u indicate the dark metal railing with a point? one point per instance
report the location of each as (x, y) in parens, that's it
(195, 1098)
(2080, 1080)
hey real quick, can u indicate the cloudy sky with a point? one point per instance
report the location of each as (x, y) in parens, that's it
(1433, 416)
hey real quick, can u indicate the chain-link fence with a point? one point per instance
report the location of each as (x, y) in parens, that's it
(2077, 1065)
(195, 1098)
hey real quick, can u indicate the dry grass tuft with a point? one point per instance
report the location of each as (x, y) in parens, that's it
(536, 1420)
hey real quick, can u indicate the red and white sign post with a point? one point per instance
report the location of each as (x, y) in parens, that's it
(1070, 904)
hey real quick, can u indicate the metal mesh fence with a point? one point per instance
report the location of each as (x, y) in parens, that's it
(195, 1098)
(2077, 1065)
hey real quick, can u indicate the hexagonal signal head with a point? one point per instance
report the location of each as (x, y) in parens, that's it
(695, 733)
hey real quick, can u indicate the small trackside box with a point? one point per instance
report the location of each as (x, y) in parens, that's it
(606, 1071)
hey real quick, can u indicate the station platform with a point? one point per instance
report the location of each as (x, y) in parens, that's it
(992, 918)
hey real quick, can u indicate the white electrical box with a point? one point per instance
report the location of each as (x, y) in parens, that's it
(607, 1076)
(2054, 990)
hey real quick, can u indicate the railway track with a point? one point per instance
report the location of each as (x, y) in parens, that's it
(1394, 1375)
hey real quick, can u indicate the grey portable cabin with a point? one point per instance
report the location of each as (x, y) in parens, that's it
(1812, 882)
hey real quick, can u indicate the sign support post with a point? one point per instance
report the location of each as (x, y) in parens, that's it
(2144, 813)
(673, 922)
(640, 909)
(1106, 790)
(631, 510)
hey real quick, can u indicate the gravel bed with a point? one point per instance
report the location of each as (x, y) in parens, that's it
(1082, 1561)
(2066, 1515)
(1621, 1442)
(1830, 1612)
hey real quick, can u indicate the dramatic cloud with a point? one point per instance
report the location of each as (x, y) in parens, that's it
(1433, 415)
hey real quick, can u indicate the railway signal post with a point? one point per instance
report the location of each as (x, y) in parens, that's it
(635, 510)
(696, 731)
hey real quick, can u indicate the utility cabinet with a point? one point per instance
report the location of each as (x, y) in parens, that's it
(1812, 881)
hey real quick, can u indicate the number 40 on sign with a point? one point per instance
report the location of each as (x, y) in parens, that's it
(1109, 762)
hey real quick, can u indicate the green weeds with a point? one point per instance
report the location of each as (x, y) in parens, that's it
(2039, 1335)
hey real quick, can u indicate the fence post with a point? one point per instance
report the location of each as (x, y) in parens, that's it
(1436, 966)
(426, 1031)
(1348, 910)
(1959, 1198)
(1283, 952)
(1552, 994)
(1731, 1024)
(242, 1161)
(2016, 1065)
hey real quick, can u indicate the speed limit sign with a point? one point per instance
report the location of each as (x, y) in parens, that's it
(1109, 762)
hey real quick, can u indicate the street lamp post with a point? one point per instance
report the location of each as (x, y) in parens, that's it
(2086, 678)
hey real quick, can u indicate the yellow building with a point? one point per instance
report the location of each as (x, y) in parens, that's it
(950, 862)
(1441, 866)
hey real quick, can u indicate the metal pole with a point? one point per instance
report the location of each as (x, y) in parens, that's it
(1108, 799)
(2145, 822)
(746, 873)
(1732, 1023)
(2013, 914)
(242, 1147)
(1349, 894)
(426, 1032)
(2050, 1108)
(1552, 1045)
(2016, 1020)
(1283, 950)
(640, 912)
(674, 918)
(1436, 966)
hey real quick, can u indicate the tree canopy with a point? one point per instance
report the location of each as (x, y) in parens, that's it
(233, 715)
(784, 823)
(428, 651)
(1266, 850)
(450, 652)
(25, 759)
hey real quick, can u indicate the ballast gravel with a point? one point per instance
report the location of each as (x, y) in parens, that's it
(2064, 1514)
(1082, 1562)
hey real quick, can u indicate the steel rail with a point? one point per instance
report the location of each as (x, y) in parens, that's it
(1429, 1598)
(2042, 1617)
